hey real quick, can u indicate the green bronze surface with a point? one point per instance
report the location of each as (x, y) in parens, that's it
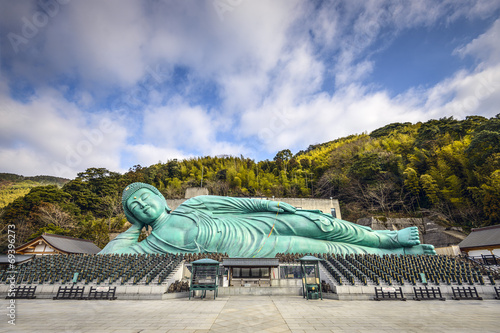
(243, 227)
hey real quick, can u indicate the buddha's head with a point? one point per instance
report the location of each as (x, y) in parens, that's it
(143, 203)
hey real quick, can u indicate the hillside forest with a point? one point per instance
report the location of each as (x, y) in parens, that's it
(446, 169)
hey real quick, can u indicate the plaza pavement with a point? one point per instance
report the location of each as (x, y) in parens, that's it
(252, 314)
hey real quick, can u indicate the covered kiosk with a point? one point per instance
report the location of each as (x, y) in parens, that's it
(204, 276)
(250, 272)
(311, 282)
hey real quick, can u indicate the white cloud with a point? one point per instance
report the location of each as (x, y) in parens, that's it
(324, 118)
(183, 128)
(355, 109)
(476, 92)
(298, 119)
(48, 135)
(148, 154)
(98, 42)
(466, 94)
(485, 47)
(103, 40)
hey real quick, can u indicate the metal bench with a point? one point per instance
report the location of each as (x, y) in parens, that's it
(426, 293)
(72, 292)
(102, 293)
(22, 292)
(389, 294)
(465, 293)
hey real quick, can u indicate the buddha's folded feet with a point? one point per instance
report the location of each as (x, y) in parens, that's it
(408, 237)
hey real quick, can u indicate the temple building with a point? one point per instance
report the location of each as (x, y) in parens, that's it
(482, 241)
(48, 244)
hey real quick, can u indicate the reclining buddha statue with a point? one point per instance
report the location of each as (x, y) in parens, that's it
(244, 227)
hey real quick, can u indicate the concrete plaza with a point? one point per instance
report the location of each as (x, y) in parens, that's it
(251, 314)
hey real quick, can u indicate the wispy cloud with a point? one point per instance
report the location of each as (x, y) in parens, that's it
(49, 135)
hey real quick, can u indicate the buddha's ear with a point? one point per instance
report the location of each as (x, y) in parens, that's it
(168, 209)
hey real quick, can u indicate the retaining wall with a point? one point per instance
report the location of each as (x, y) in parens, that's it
(278, 288)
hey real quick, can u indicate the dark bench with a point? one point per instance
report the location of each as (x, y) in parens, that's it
(426, 293)
(465, 293)
(497, 291)
(389, 294)
(102, 293)
(25, 292)
(72, 292)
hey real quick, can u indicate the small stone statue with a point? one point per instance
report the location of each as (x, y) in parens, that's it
(243, 227)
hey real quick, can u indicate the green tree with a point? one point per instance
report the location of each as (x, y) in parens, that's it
(491, 198)
(483, 145)
(411, 181)
(430, 188)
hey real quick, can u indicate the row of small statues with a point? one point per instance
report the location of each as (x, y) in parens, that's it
(293, 257)
(282, 257)
(178, 286)
(325, 287)
(190, 257)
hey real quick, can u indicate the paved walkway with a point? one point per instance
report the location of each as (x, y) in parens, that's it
(252, 314)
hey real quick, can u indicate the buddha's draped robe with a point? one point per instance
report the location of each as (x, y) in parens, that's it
(243, 227)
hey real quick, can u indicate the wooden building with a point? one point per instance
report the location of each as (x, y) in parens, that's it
(482, 241)
(251, 271)
(5, 261)
(47, 244)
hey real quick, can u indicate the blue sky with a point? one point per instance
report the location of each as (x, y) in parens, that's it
(116, 83)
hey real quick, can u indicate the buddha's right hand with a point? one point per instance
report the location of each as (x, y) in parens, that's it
(280, 207)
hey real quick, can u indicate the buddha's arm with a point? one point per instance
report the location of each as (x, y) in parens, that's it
(123, 240)
(229, 205)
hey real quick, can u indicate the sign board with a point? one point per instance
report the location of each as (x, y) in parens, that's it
(102, 289)
(388, 289)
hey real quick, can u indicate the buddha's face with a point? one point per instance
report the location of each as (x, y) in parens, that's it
(145, 205)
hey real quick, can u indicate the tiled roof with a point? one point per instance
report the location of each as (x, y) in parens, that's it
(70, 244)
(487, 236)
(18, 259)
(65, 244)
